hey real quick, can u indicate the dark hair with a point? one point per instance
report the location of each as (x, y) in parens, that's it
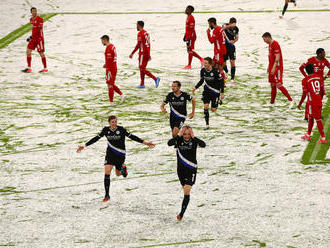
(33, 9)
(105, 37)
(111, 117)
(177, 82)
(140, 23)
(232, 20)
(267, 35)
(309, 68)
(319, 51)
(212, 20)
(208, 59)
(191, 8)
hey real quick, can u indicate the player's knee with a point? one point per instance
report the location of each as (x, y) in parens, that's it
(213, 109)
(118, 173)
(232, 63)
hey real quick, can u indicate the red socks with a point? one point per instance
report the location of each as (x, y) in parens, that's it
(310, 125)
(273, 95)
(111, 93)
(320, 127)
(43, 59)
(190, 56)
(29, 58)
(144, 72)
(285, 92)
(117, 90)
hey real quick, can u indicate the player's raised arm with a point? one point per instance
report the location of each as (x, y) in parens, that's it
(92, 141)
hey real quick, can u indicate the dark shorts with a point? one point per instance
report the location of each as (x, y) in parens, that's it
(292, 1)
(114, 159)
(211, 97)
(231, 53)
(176, 122)
(186, 175)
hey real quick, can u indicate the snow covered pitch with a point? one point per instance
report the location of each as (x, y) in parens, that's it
(252, 189)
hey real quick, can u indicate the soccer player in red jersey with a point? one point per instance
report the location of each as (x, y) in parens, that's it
(190, 37)
(318, 62)
(36, 40)
(111, 68)
(143, 45)
(219, 41)
(275, 69)
(313, 87)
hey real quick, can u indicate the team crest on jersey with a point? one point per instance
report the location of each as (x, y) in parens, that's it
(181, 98)
(117, 132)
(211, 74)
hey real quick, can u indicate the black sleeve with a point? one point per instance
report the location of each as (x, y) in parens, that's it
(221, 82)
(96, 138)
(201, 81)
(200, 142)
(188, 97)
(167, 99)
(172, 141)
(133, 137)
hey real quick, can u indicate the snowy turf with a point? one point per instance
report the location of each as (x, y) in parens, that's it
(251, 188)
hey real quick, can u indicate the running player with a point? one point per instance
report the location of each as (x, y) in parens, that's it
(115, 156)
(143, 45)
(111, 68)
(231, 31)
(213, 87)
(219, 41)
(190, 37)
(36, 40)
(275, 69)
(313, 85)
(286, 6)
(318, 62)
(186, 144)
(178, 104)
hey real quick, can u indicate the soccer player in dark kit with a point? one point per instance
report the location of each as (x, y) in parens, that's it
(186, 144)
(178, 103)
(115, 155)
(286, 6)
(214, 86)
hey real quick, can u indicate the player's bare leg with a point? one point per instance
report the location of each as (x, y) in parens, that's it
(28, 59)
(175, 131)
(110, 92)
(107, 173)
(43, 59)
(185, 202)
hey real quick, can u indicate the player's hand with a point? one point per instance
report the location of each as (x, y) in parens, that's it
(232, 42)
(149, 58)
(164, 111)
(191, 115)
(272, 71)
(191, 133)
(149, 143)
(208, 30)
(80, 148)
(104, 66)
(193, 91)
(222, 95)
(299, 106)
(131, 55)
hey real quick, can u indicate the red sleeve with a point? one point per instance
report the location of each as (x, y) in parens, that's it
(40, 26)
(327, 65)
(212, 38)
(137, 44)
(304, 87)
(276, 48)
(322, 87)
(302, 69)
(190, 26)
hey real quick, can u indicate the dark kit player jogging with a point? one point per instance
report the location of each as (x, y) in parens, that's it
(186, 144)
(178, 103)
(115, 155)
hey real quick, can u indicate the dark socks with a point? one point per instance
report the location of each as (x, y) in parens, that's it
(284, 8)
(232, 71)
(185, 203)
(225, 69)
(107, 184)
(206, 116)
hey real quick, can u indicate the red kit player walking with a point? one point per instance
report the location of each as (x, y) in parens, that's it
(218, 38)
(36, 40)
(275, 69)
(190, 37)
(143, 45)
(318, 62)
(111, 68)
(314, 87)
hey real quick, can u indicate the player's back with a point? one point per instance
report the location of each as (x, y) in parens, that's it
(274, 49)
(315, 87)
(144, 39)
(110, 56)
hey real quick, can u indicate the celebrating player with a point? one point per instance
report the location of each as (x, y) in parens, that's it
(212, 88)
(275, 69)
(116, 153)
(178, 104)
(143, 44)
(286, 6)
(318, 62)
(186, 144)
(314, 87)
(111, 68)
(219, 41)
(231, 31)
(36, 40)
(190, 37)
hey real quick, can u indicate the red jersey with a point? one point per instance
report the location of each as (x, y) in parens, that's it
(314, 86)
(219, 40)
(190, 28)
(143, 43)
(37, 27)
(110, 57)
(274, 49)
(318, 65)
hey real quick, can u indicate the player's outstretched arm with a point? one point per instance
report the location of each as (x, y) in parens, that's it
(80, 148)
(191, 115)
(149, 143)
(162, 108)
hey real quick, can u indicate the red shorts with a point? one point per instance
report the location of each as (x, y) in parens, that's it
(39, 44)
(219, 59)
(191, 44)
(315, 111)
(143, 60)
(110, 75)
(276, 79)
